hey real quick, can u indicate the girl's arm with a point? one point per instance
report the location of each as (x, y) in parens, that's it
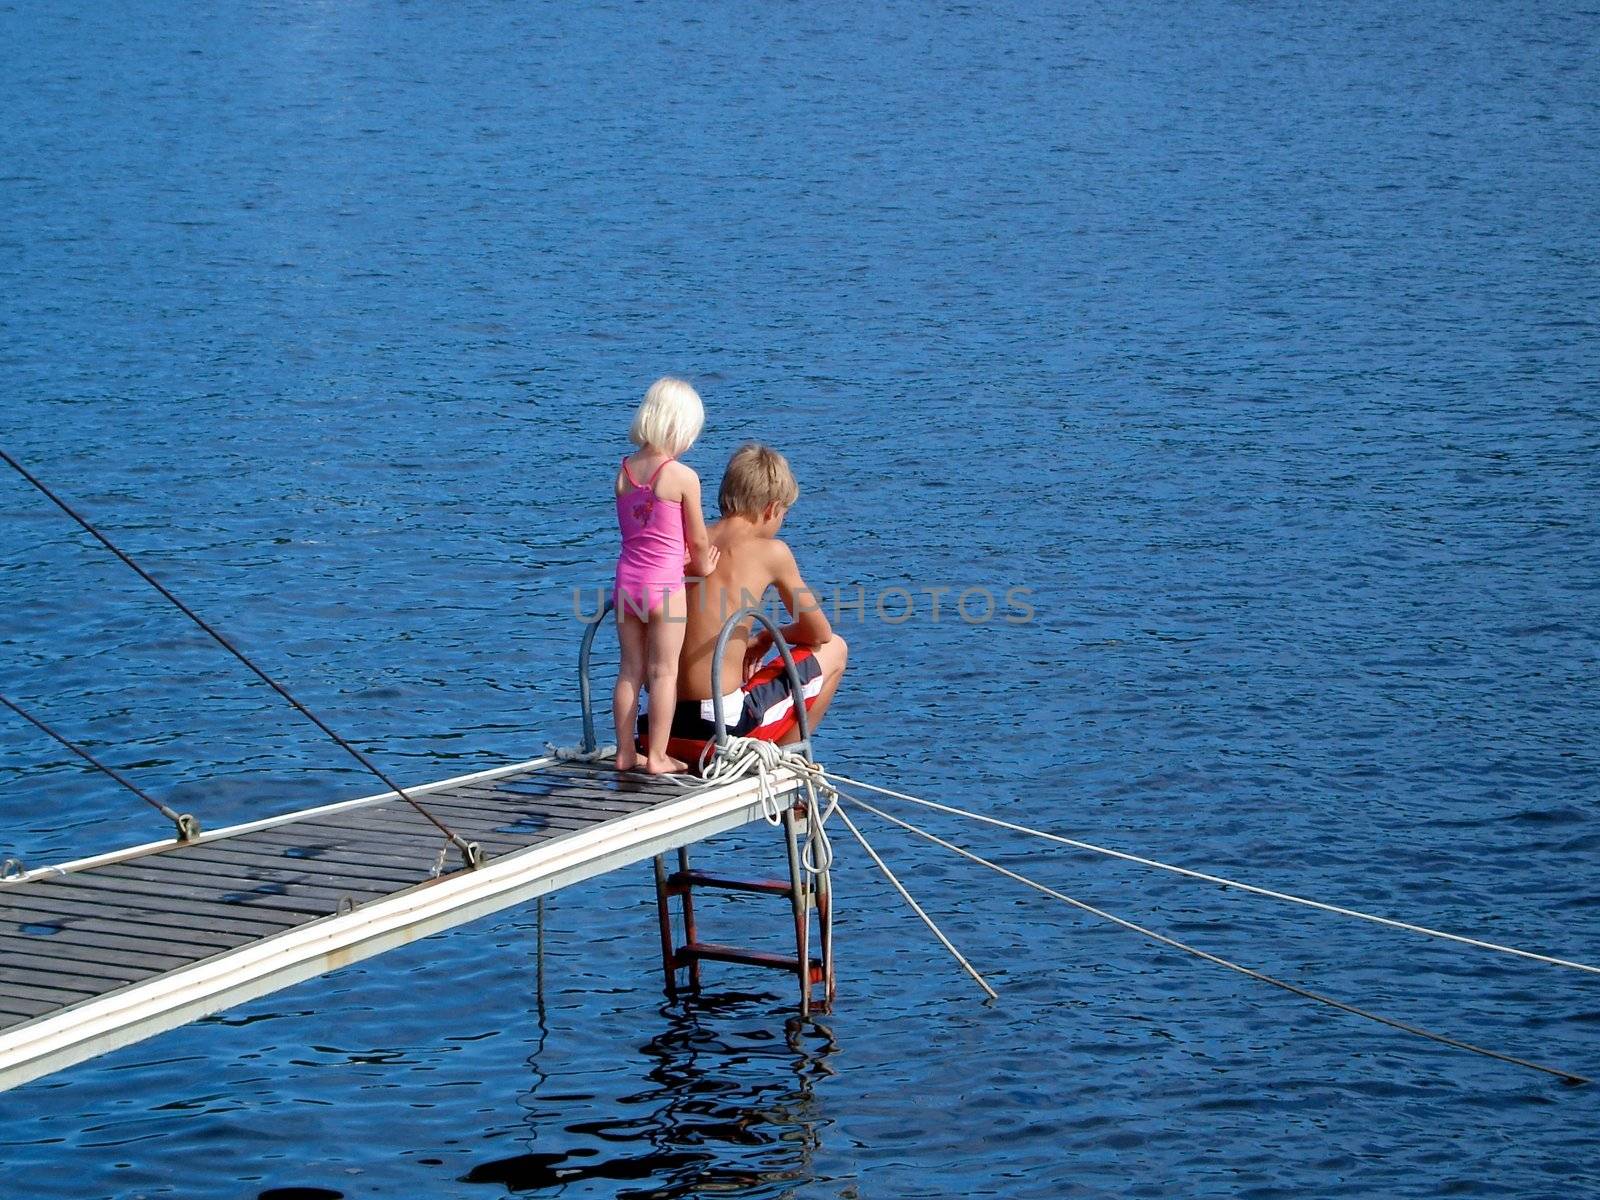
(702, 554)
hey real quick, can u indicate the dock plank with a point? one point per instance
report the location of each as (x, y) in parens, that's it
(555, 815)
(581, 807)
(23, 1010)
(553, 778)
(398, 837)
(19, 948)
(251, 897)
(90, 888)
(182, 926)
(42, 993)
(23, 968)
(498, 809)
(198, 872)
(93, 939)
(273, 848)
(603, 776)
(408, 828)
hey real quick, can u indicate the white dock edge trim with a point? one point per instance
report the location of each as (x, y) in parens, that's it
(116, 856)
(140, 1010)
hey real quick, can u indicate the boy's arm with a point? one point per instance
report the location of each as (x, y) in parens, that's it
(810, 626)
(702, 554)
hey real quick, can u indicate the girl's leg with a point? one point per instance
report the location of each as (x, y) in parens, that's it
(630, 675)
(665, 644)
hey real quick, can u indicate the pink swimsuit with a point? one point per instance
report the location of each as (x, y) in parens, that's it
(650, 567)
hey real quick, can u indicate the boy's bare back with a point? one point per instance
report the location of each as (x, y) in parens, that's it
(750, 563)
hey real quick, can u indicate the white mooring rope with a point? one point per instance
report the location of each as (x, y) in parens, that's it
(748, 756)
(915, 907)
(1568, 1077)
(579, 754)
(1219, 880)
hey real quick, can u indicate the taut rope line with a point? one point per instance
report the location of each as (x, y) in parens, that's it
(1220, 881)
(915, 907)
(188, 827)
(1567, 1077)
(470, 852)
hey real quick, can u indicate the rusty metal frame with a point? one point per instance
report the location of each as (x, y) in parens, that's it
(804, 894)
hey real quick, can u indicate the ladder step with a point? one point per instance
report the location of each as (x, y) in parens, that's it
(680, 882)
(710, 951)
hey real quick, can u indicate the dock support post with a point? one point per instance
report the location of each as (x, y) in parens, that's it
(687, 900)
(824, 895)
(800, 901)
(539, 968)
(669, 965)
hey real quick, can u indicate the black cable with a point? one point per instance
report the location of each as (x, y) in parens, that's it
(469, 850)
(188, 827)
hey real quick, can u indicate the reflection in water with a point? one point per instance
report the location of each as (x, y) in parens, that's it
(727, 1110)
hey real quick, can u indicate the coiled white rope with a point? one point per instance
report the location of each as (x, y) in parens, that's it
(741, 756)
(1287, 897)
(1567, 1077)
(744, 756)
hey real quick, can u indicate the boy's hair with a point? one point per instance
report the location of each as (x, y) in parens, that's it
(670, 417)
(757, 476)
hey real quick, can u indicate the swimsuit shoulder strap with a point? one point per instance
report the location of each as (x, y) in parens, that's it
(652, 484)
(631, 480)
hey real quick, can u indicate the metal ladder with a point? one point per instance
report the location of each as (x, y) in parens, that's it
(806, 895)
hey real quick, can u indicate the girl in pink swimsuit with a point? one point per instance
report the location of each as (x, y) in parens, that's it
(662, 532)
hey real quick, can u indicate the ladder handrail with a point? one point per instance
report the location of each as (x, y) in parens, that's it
(796, 687)
(584, 698)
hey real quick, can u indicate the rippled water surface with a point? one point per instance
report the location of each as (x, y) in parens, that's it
(1258, 341)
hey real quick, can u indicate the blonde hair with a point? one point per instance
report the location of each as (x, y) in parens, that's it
(670, 417)
(757, 476)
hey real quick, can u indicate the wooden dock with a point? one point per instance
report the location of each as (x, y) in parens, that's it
(101, 952)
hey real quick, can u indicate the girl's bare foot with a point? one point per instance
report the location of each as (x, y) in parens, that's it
(664, 765)
(627, 758)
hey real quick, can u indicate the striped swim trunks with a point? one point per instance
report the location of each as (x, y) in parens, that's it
(762, 709)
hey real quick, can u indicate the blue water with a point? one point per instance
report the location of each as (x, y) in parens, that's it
(1258, 342)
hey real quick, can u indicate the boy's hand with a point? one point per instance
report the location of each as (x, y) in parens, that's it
(754, 651)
